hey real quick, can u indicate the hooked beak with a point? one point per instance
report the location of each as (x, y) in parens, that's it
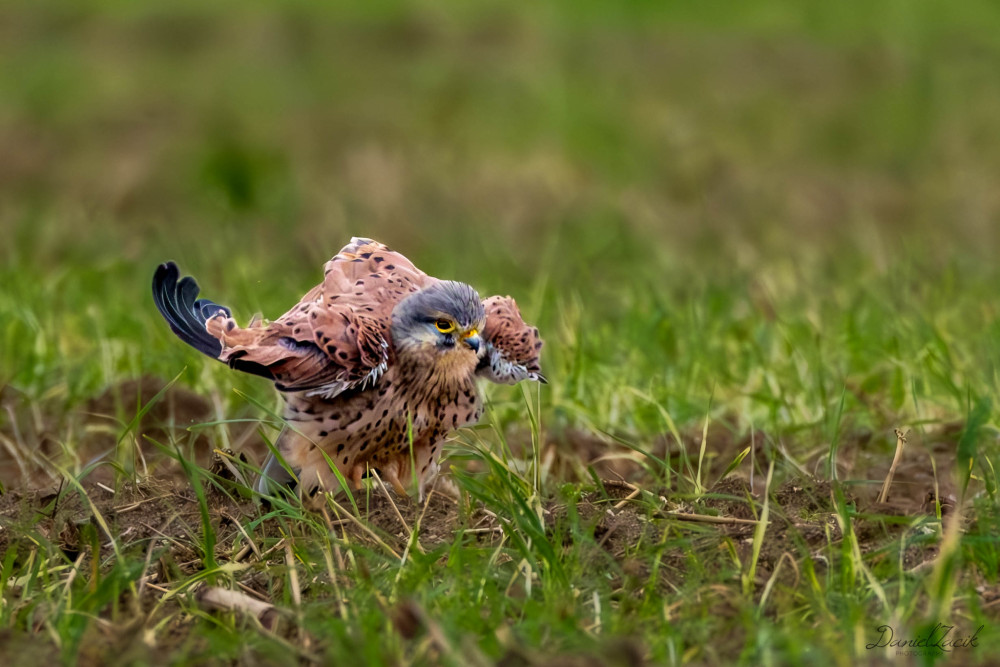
(472, 339)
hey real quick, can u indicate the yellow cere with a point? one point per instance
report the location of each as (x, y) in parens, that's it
(470, 333)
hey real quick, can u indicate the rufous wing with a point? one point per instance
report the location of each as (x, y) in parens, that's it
(337, 337)
(513, 347)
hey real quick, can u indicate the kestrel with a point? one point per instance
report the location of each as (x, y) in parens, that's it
(377, 364)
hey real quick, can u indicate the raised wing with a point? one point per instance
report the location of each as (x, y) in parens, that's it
(335, 338)
(512, 347)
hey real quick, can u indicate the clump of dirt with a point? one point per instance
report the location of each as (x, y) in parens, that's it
(614, 526)
(620, 653)
(394, 519)
(731, 497)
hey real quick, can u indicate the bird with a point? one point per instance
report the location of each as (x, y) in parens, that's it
(377, 365)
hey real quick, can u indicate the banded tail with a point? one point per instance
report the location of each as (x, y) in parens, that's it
(178, 302)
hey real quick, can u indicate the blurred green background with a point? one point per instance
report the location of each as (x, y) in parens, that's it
(764, 205)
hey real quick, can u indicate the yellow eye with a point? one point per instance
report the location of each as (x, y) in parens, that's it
(444, 326)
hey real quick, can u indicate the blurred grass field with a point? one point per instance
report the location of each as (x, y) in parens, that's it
(767, 223)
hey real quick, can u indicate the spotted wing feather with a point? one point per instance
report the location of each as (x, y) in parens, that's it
(337, 337)
(512, 347)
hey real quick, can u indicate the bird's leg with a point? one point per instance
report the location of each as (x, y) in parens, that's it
(445, 486)
(390, 473)
(425, 478)
(356, 473)
(314, 497)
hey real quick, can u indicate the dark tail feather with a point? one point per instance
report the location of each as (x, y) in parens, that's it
(186, 314)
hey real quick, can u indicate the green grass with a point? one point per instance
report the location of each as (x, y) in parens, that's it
(740, 224)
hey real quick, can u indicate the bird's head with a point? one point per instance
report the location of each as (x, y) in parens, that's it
(442, 321)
